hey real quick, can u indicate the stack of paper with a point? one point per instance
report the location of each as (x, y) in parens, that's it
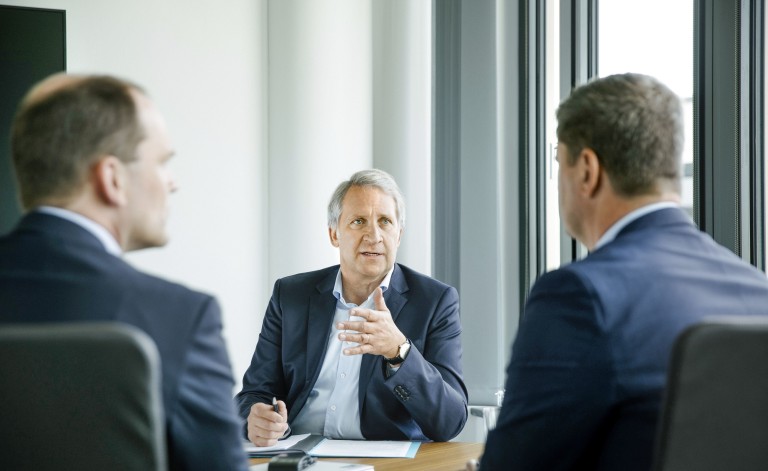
(323, 466)
(316, 445)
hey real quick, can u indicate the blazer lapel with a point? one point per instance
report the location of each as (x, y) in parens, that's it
(322, 308)
(395, 300)
(395, 294)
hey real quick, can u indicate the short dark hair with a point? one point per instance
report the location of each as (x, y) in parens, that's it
(56, 138)
(634, 124)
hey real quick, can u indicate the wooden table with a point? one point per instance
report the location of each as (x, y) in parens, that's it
(442, 456)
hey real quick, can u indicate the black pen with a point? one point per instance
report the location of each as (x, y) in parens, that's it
(274, 404)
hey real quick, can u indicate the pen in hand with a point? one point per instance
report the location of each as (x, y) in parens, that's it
(277, 409)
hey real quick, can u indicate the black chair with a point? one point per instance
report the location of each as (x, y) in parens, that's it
(80, 396)
(715, 412)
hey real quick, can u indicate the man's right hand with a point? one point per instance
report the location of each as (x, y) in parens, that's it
(265, 426)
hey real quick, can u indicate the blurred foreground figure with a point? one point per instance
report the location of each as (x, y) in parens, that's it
(90, 156)
(588, 367)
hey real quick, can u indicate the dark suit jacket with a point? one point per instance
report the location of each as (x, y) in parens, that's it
(588, 367)
(52, 270)
(424, 400)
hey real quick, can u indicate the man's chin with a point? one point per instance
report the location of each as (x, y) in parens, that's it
(377, 269)
(148, 243)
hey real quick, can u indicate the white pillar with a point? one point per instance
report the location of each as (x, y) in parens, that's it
(320, 123)
(402, 116)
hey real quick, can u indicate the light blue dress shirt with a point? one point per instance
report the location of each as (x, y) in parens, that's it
(332, 408)
(99, 231)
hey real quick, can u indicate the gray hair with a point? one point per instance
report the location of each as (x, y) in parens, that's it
(634, 124)
(373, 178)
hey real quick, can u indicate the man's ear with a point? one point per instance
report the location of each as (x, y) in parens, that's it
(110, 179)
(591, 172)
(334, 236)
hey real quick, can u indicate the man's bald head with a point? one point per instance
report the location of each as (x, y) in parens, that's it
(50, 85)
(64, 125)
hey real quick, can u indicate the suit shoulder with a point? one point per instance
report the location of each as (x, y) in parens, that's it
(420, 281)
(156, 285)
(578, 276)
(310, 278)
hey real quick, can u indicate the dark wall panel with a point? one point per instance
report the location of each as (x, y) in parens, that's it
(32, 46)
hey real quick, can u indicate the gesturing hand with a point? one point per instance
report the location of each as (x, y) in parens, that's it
(376, 334)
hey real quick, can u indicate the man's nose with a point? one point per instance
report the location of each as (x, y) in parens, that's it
(173, 187)
(373, 233)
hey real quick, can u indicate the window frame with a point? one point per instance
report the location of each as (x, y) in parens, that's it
(728, 125)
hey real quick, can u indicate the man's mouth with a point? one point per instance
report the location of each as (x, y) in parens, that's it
(371, 254)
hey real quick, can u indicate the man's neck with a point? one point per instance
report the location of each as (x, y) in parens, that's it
(87, 223)
(357, 292)
(102, 216)
(612, 211)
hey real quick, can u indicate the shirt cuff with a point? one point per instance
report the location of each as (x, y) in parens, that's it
(392, 369)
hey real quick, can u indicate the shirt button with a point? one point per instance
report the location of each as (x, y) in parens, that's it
(333, 408)
(343, 375)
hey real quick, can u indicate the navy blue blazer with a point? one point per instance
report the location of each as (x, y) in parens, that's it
(424, 400)
(52, 270)
(588, 367)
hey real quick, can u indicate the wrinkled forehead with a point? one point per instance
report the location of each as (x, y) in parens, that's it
(364, 197)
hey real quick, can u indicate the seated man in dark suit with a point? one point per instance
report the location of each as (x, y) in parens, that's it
(90, 156)
(365, 349)
(588, 367)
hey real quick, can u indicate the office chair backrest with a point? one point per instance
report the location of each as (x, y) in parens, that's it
(81, 396)
(715, 412)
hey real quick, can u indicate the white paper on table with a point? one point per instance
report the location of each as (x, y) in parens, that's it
(365, 448)
(281, 445)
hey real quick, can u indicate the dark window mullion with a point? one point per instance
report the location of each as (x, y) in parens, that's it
(728, 153)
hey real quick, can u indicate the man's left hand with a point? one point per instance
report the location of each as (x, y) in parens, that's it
(377, 334)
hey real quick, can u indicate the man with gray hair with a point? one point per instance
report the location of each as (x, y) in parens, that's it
(588, 366)
(367, 349)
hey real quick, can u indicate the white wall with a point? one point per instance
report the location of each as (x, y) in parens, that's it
(204, 64)
(319, 122)
(402, 114)
(270, 104)
(349, 89)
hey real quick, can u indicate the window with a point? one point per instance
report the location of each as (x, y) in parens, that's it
(554, 232)
(631, 37)
(637, 37)
(764, 132)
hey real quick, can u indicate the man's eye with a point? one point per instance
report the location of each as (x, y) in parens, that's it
(357, 221)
